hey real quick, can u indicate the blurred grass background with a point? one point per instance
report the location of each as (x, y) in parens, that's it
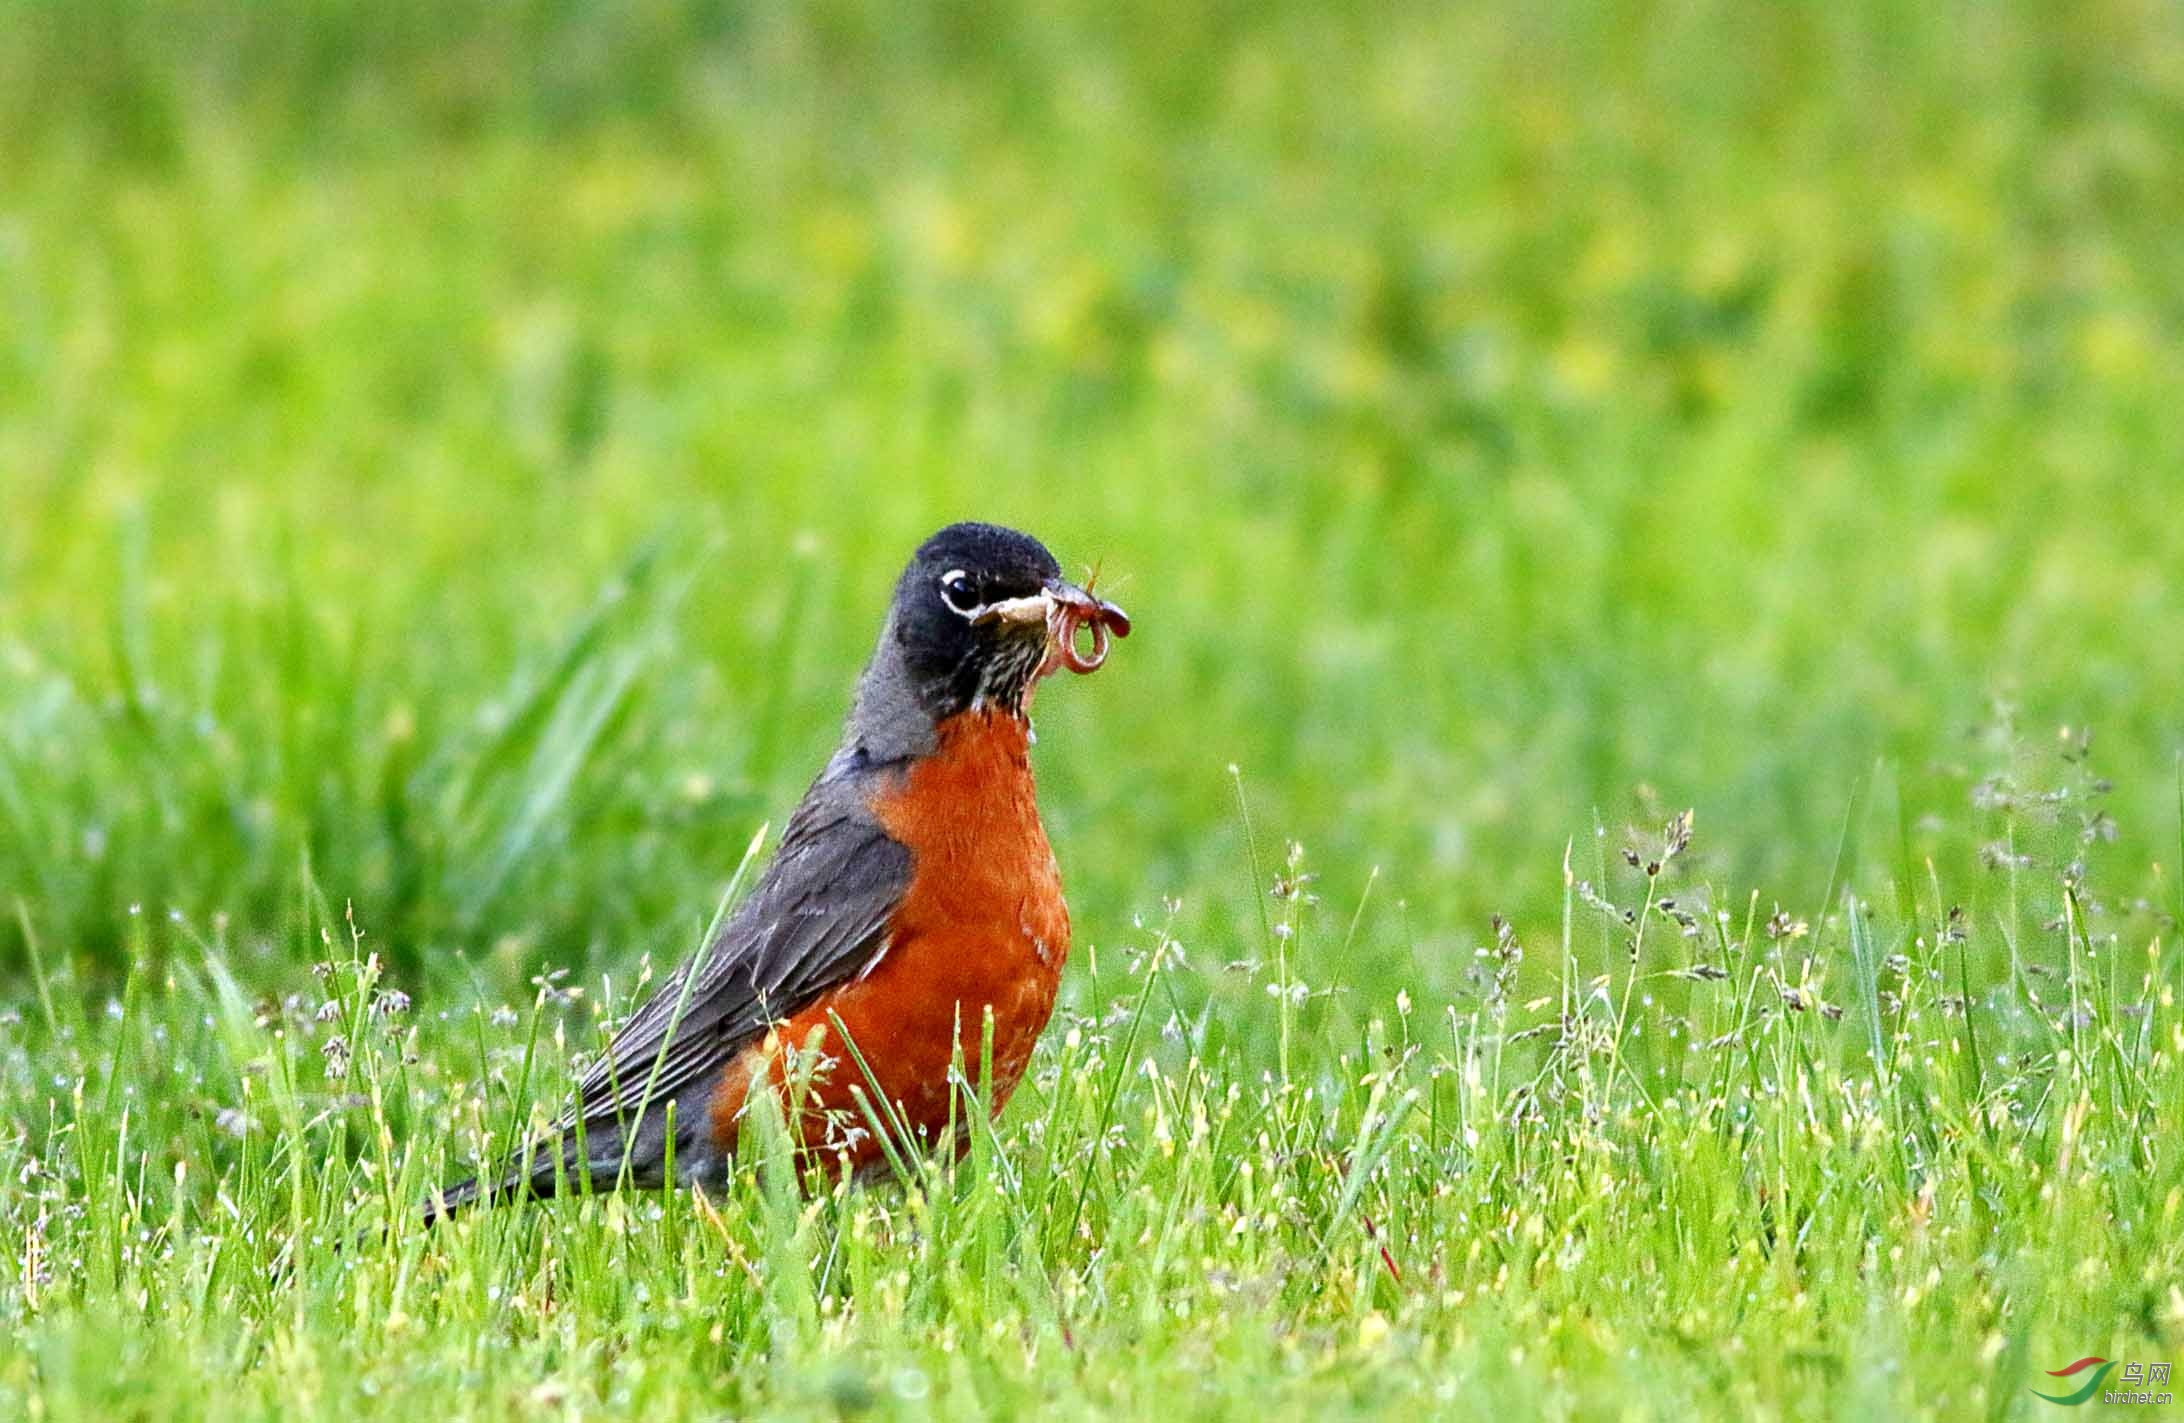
(457, 454)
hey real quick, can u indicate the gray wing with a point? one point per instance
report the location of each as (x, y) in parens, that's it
(817, 918)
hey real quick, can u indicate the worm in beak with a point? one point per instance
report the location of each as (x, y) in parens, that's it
(1071, 610)
(1067, 611)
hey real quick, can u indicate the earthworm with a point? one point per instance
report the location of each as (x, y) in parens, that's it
(1102, 617)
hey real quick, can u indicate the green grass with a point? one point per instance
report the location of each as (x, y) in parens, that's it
(452, 461)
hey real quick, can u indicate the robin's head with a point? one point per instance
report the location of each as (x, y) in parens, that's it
(980, 616)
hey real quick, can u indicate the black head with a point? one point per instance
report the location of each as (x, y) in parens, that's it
(970, 617)
(980, 615)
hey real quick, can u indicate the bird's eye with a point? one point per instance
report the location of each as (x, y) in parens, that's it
(955, 591)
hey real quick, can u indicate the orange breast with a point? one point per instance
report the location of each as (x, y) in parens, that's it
(982, 926)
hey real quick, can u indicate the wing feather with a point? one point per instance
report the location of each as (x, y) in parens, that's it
(817, 918)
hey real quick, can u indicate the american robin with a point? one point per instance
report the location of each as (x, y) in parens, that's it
(913, 893)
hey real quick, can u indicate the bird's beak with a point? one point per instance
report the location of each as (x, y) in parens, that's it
(1065, 609)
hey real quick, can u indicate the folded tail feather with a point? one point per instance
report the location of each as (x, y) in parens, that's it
(566, 1161)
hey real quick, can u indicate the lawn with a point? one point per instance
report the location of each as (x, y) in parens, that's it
(453, 461)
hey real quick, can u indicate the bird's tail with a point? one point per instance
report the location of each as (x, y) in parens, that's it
(534, 1180)
(449, 1199)
(592, 1157)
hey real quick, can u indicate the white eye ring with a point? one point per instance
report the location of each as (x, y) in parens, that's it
(955, 582)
